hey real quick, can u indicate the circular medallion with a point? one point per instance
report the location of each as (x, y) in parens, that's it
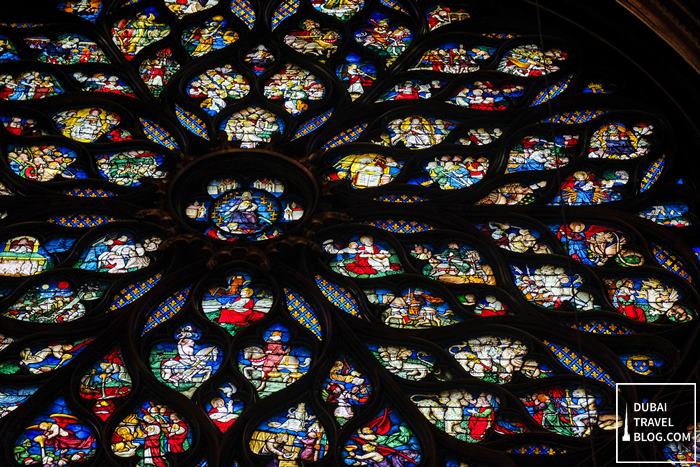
(244, 212)
(249, 195)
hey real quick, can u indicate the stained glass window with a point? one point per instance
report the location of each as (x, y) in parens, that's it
(330, 232)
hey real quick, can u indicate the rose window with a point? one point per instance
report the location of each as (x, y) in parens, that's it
(330, 232)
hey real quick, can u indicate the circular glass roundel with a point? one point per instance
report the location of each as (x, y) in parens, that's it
(244, 212)
(244, 195)
(334, 232)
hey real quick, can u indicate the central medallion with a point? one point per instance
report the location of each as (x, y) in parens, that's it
(245, 212)
(244, 195)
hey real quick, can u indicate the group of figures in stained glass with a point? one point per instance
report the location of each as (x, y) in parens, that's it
(402, 305)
